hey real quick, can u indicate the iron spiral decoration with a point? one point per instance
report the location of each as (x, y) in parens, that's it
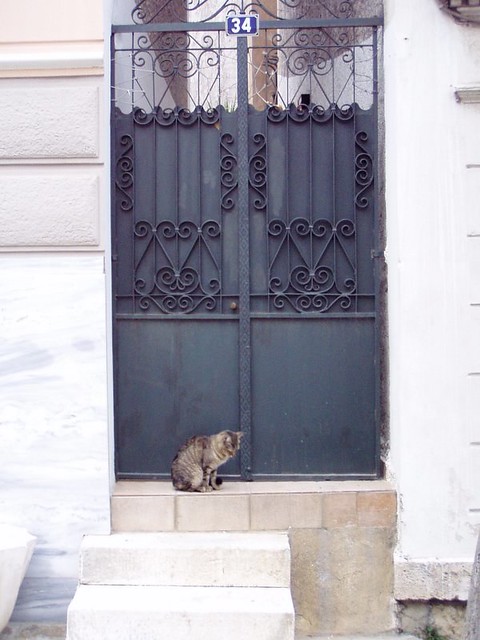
(179, 283)
(303, 276)
(124, 173)
(228, 171)
(310, 83)
(151, 11)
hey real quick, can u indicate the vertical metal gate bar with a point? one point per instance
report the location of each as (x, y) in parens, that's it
(311, 212)
(131, 98)
(334, 180)
(177, 192)
(199, 198)
(354, 207)
(244, 258)
(379, 269)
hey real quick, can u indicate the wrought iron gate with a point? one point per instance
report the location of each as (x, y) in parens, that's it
(245, 236)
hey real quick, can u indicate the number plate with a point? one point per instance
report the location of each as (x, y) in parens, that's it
(242, 25)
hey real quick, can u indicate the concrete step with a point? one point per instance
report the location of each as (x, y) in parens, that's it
(200, 586)
(180, 613)
(49, 631)
(186, 559)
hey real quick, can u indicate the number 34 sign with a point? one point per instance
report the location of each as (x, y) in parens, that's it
(242, 25)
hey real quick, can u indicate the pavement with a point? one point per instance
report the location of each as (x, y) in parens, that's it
(30, 631)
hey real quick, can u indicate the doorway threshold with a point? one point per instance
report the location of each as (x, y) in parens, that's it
(150, 506)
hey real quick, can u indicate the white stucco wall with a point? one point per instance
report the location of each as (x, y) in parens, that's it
(55, 451)
(433, 249)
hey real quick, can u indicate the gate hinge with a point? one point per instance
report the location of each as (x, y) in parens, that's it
(376, 253)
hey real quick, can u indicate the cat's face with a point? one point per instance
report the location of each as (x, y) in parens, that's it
(231, 441)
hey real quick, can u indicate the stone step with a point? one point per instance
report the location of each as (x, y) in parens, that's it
(180, 613)
(186, 559)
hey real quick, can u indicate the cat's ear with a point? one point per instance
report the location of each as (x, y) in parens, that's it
(239, 435)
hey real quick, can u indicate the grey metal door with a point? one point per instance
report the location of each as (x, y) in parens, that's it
(245, 238)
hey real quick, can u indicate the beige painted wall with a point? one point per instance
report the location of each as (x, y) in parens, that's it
(51, 38)
(51, 21)
(51, 148)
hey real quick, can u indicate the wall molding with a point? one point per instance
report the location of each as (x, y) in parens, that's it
(469, 94)
(423, 580)
(56, 62)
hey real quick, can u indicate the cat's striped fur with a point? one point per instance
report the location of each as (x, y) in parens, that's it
(194, 468)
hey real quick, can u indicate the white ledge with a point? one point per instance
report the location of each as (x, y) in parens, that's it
(432, 579)
(464, 10)
(469, 94)
(469, 13)
(52, 60)
(16, 549)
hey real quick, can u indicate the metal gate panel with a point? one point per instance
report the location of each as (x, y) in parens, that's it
(245, 238)
(312, 211)
(314, 398)
(177, 380)
(171, 225)
(176, 337)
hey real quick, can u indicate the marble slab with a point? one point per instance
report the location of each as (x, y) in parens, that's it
(54, 458)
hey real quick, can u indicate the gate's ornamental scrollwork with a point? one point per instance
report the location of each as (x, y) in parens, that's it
(177, 286)
(183, 169)
(151, 11)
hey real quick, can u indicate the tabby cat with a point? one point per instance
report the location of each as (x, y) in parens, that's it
(194, 468)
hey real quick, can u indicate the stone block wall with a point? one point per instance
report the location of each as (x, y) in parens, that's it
(51, 164)
(342, 538)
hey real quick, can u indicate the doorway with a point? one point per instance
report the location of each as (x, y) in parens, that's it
(246, 238)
